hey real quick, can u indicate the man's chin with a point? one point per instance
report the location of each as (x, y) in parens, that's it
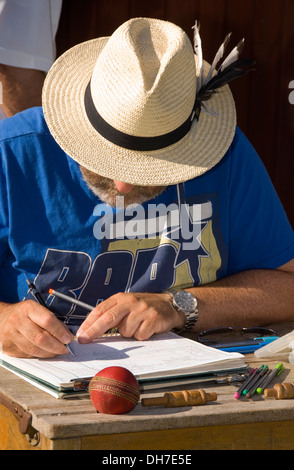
(105, 189)
(134, 197)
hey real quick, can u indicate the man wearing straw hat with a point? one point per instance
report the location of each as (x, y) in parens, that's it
(138, 195)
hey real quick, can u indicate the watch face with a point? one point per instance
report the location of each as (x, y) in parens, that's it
(186, 301)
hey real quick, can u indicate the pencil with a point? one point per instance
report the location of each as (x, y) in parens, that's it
(79, 303)
(72, 300)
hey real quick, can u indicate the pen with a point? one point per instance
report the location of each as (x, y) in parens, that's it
(275, 372)
(36, 294)
(249, 348)
(245, 384)
(253, 386)
(246, 342)
(263, 379)
(79, 303)
(256, 378)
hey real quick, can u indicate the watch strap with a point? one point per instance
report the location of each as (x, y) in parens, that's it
(191, 315)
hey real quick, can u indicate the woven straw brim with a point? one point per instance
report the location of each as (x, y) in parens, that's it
(64, 110)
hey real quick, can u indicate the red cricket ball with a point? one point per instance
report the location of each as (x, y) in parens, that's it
(114, 390)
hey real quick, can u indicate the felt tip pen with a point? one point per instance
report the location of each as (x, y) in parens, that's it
(250, 377)
(250, 348)
(251, 390)
(36, 294)
(254, 374)
(274, 373)
(245, 342)
(263, 379)
(254, 379)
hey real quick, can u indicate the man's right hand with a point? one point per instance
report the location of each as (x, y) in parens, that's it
(29, 330)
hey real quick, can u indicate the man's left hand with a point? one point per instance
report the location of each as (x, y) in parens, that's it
(137, 315)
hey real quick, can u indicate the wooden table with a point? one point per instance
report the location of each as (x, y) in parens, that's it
(74, 424)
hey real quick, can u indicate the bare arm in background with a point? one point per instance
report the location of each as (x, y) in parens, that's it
(21, 88)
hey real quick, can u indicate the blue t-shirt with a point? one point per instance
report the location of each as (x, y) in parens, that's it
(55, 231)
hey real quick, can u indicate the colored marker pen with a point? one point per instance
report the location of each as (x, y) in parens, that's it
(254, 385)
(250, 348)
(275, 372)
(254, 379)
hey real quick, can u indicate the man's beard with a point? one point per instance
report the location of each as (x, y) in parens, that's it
(106, 190)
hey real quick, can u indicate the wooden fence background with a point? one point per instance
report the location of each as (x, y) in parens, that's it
(264, 98)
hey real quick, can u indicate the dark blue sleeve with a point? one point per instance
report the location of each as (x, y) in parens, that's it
(4, 229)
(261, 236)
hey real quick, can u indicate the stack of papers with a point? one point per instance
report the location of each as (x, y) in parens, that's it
(164, 359)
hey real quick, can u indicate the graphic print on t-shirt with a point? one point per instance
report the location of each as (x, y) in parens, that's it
(143, 250)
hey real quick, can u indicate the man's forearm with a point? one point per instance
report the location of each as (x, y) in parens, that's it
(250, 298)
(22, 88)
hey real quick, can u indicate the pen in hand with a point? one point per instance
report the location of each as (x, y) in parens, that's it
(36, 294)
(112, 332)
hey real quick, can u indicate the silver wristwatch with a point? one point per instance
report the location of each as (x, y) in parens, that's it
(186, 302)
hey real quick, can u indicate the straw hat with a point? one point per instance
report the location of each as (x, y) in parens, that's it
(121, 106)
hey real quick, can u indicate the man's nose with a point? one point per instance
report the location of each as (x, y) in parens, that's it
(124, 188)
